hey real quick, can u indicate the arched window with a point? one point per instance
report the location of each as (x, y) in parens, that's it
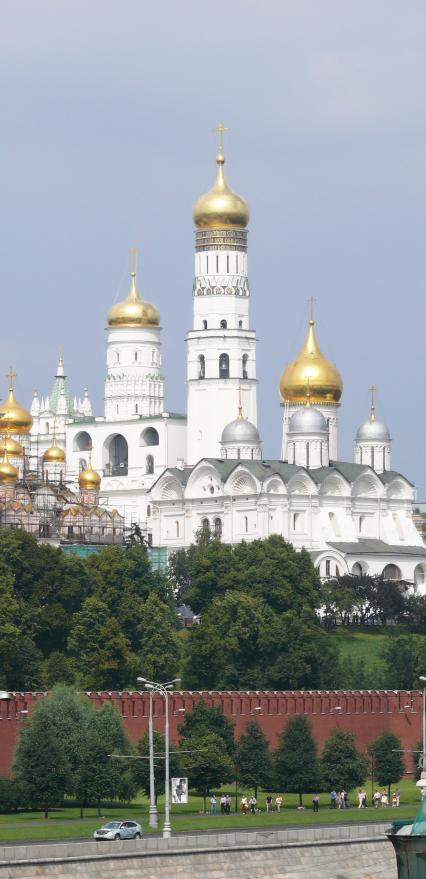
(116, 456)
(149, 437)
(136, 409)
(135, 356)
(391, 572)
(205, 525)
(218, 527)
(372, 457)
(117, 357)
(223, 325)
(201, 366)
(240, 324)
(357, 569)
(204, 324)
(245, 361)
(149, 464)
(224, 366)
(177, 529)
(47, 427)
(419, 575)
(246, 524)
(148, 510)
(82, 442)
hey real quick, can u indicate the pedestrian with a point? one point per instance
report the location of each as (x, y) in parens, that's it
(244, 805)
(278, 802)
(360, 799)
(398, 796)
(253, 804)
(384, 799)
(227, 805)
(394, 800)
(269, 803)
(213, 804)
(315, 802)
(333, 798)
(377, 799)
(345, 799)
(339, 800)
(223, 804)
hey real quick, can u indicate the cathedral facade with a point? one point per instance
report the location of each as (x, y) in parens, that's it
(175, 474)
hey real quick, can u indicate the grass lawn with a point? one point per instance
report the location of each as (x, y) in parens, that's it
(66, 823)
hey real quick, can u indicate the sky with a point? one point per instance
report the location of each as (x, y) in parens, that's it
(107, 110)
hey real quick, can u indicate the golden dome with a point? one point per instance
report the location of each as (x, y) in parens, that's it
(54, 454)
(220, 207)
(89, 479)
(15, 418)
(133, 311)
(311, 371)
(11, 446)
(8, 473)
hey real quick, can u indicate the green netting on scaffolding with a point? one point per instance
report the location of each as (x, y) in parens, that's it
(419, 823)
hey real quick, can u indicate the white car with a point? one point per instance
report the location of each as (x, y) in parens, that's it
(119, 830)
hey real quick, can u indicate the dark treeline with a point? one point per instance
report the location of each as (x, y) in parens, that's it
(98, 622)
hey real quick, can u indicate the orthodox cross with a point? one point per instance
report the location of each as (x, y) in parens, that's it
(11, 375)
(219, 130)
(373, 390)
(133, 259)
(311, 303)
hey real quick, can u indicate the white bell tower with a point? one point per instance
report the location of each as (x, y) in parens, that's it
(221, 354)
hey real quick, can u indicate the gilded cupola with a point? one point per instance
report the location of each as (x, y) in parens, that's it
(220, 208)
(89, 479)
(311, 369)
(8, 473)
(13, 417)
(133, 311)
(54, 454)
(10, 445)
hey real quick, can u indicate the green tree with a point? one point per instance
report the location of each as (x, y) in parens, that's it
(9, 630)
(140, 768)
(206, 763)
(400, 659)
(203, 720)
(158, 650)
(343, 767)
(99, 647)
(58, 669)
(42, 769)
(296, 762)
(254, 760)
(386, 752)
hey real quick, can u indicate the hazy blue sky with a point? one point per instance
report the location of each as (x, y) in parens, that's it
(106, 117)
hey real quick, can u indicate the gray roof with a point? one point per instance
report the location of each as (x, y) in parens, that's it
(370, 546)
(307, 420)
(241, 430)
(373, 430)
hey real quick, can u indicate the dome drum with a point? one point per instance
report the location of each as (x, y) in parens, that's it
(221, 239)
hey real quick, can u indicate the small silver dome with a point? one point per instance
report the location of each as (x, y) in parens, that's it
(373, 430)
(307, 420)
(240, 431)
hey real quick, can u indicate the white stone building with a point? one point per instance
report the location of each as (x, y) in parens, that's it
(173, 475)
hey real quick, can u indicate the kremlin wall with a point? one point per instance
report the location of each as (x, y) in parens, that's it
(367, 713)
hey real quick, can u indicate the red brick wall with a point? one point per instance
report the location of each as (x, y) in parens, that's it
(367, 713)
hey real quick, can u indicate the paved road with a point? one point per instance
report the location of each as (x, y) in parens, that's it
(253, 829)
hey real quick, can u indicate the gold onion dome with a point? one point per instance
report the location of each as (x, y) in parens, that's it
(54, 454)
(133, 311)
(220, 207)
(8, 473)
(310, 369)
(89, 479)
(15, 418)
(11, 446)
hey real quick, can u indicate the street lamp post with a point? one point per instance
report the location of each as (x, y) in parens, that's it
(153, 813)
(422, 780)
(163, 690)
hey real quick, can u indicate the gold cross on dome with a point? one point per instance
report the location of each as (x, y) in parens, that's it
(311, 303)
(133, 259)
(11, 375)
(373, 390)
(219, 130)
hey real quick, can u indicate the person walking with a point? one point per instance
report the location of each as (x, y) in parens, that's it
(377, 799)
(398, 796)
(360, 799)
(227, 805)
(333, 798)
(269, 803)
(384, 799)
(278, 802)
(223, 804)
(213, 804)
(315, 803)
(253, 804)
(244, 805)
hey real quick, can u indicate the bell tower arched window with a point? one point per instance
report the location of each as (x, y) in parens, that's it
(223, 325)
(245, 361)
(149, 464)
(201, 366)
(224, 366)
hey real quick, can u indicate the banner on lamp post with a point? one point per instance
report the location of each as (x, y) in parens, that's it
(179, 790)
